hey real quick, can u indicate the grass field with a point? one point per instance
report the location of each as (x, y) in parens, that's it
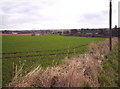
(39, 50)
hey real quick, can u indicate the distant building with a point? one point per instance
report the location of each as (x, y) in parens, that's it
(36, 34)
(14, 33)
(39, 34)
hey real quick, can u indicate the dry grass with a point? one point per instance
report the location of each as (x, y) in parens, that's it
(101, 48)
(81, 71)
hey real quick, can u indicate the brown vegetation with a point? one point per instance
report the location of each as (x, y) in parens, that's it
(81, 71)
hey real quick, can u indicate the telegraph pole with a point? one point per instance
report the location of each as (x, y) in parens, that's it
(110, 25)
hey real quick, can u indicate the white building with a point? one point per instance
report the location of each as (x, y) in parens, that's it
(14, 33)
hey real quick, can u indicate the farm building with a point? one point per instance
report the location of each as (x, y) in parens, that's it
(38, 34)
(14, 33)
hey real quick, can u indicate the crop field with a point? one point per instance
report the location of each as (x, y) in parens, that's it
(32, 51)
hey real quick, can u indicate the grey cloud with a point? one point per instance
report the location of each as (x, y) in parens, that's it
(95, 18)
(91, 16)
(18, 7)
(23, 12)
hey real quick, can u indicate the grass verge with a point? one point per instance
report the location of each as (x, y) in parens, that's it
(109, 72)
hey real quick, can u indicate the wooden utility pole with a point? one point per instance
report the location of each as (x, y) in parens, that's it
(110, 25)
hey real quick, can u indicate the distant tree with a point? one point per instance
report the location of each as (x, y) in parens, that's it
(73, 31)
(101, 32)
(115, 26)
(66, 32)
(5, 32)
(60, 33)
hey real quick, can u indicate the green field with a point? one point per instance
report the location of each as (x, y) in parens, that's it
(39, 50)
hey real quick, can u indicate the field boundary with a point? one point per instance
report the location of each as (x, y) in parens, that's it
(42, 55)
(44, 50)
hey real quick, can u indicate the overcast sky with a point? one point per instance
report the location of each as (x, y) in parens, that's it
(56, 14)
